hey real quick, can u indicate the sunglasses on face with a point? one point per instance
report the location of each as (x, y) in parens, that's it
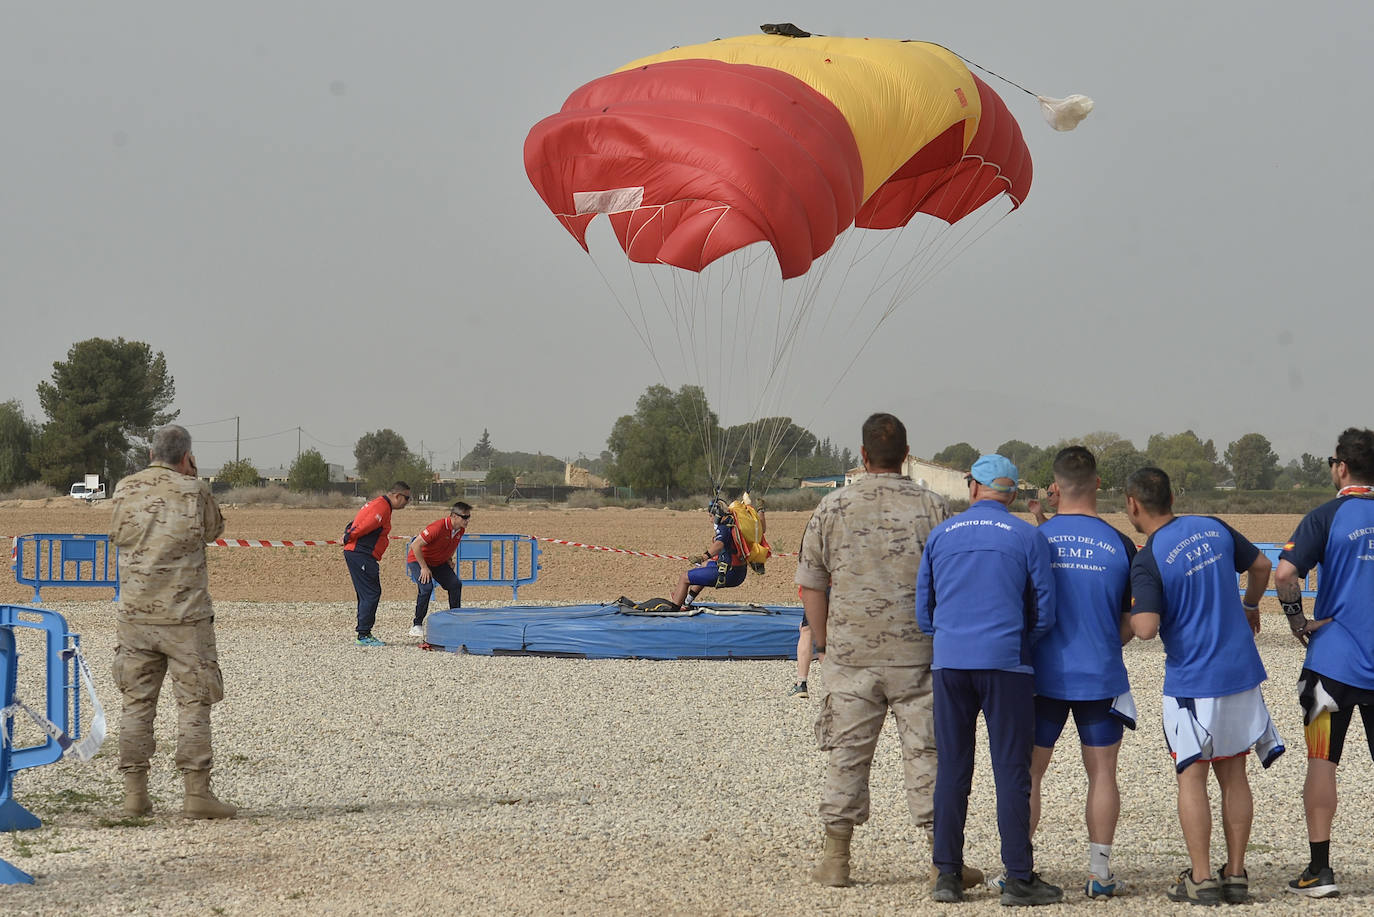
(461, 516)
(1331, 461)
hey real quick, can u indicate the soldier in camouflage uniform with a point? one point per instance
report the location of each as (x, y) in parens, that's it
(864, 544)
(162, 518)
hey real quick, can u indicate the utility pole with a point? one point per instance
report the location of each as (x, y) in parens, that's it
(298, 442)
(236, 440)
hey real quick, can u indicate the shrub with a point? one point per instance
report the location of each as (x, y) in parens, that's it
(32, 491)
(803, 499)
(276, 494)
(242, 473)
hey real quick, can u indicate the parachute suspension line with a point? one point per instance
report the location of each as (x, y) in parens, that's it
(640, 329)
(991, 73)
(893, 240)
(791, 317)
(910, 289)
(957, 246)
(939, 256)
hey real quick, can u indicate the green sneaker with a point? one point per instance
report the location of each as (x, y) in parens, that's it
(1234, 889)
(368, 640)
(1207, 892)
(798, 690)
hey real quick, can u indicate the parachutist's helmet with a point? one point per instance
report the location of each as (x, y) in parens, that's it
(720, 512)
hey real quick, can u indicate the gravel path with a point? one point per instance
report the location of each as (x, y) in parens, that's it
(411, 782)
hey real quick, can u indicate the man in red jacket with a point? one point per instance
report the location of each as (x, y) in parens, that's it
(429, 560)
(365, 541)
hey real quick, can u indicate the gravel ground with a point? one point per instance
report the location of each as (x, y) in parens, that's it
(413, 782)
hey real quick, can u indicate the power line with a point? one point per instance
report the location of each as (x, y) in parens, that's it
(250, 438)
(320, 441)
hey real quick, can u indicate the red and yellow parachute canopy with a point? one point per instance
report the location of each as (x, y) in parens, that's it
(702, 150)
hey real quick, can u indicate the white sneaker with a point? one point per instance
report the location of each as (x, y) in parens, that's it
(417, 630)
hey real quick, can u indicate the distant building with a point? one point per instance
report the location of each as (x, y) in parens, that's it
(946, 481)
(465, 475)
(574, 476)
(825, 480)
(280, 474)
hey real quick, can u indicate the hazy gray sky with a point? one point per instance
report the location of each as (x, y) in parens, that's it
(309, 206)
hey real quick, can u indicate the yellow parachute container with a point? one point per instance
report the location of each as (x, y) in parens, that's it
(751, 528)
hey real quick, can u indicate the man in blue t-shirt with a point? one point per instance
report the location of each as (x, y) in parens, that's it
(1078, 664)
(1183, 588)
(1338, 673)
(985, 591)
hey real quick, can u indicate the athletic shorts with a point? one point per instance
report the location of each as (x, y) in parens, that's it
(1326, 708)
(1216, 728)
(705, 575)
(1097, 727)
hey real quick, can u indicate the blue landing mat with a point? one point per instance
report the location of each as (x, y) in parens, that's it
(602, 632)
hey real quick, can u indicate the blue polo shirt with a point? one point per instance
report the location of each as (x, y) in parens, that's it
(1339, 535)
(1080, 658)
(985, 590)
(1186, 574)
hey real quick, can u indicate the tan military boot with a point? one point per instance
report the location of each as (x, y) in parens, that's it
(136, 801)
(972, 878)
(200, 802)
(833, 869)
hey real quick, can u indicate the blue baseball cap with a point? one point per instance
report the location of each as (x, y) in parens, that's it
(989, 468)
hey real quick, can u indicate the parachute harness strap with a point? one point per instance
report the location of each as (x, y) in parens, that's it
(722, 570)
(723, 517)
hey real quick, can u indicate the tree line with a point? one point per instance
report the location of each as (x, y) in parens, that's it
(1248, 463)
(105, 399)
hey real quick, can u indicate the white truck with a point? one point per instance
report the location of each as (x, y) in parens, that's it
(89, 489)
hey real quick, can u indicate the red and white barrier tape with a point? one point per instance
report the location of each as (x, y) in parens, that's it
(255, 543)
(260, 543)
(597, 547)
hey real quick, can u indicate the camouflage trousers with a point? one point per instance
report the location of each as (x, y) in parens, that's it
(144, 655)
(851, 717)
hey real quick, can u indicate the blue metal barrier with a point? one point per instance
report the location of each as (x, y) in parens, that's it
(498, 560)
(66, 560)
(62, 708)
(1271, 550)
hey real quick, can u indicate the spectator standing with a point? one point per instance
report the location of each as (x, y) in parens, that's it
(1338, 672)
(806, 653)
(1078, 664)
(162, 517)
(986, 593)
(365, 541)
(1183, 587)
(857, 572)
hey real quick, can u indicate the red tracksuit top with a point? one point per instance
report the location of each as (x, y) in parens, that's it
(369, 529)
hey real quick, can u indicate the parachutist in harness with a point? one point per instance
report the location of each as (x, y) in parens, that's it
(722, 566)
